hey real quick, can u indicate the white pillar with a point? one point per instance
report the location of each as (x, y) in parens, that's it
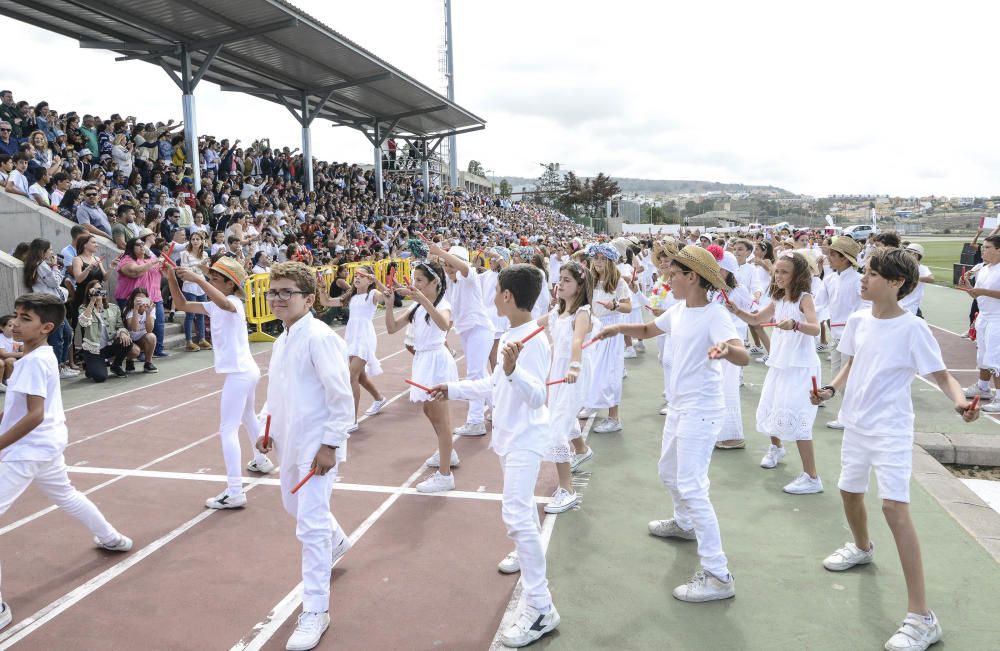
(307, 157)
(191, 138)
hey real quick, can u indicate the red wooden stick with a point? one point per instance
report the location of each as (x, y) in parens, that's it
(648, 308)
(592, 341)
(304, 480)
(419, 386)
(815, 387)
(724, 295)
(551, 382)
(767, 325)
(391, 279)
(837, 325)
(974, 404)
(267, 431)
(533, 333)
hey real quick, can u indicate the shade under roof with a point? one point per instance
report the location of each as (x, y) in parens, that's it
(269, 46)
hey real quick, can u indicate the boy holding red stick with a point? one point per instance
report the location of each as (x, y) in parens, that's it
(884, 347)
(311, 407)
(844, 298)
(520, 438)
(700, 333)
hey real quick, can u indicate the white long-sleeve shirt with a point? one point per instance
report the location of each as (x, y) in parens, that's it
(309, 393)
(520, 417)
(844, 298)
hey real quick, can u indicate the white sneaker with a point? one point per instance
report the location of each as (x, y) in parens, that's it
(471, 429)
(6, 617)
(578, 459)
(847, 557)
(664, 409)
(915, 634)
(705, 587)
(66, 373)
(640, 347)
(509, 564)
(434, 461)
(376, 407)
(586, 412)
(823, 348)
(609, 425)
(755, 350)
(973, 390)
(762, 359)
(437, 483)
(835, 424)
(530, 626)
(340, 549)
(3, 388)
(630, 353)
(123, 544)
(562, 501)
(308, 630)
(804, 485)
(992, 407)
(265, 466)
(226, 501)
(670, 529)
(353, 428)
(773, 456)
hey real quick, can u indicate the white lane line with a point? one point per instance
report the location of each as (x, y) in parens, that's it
(937, 388)
(517, 599)
(264, 630)
(29, 625)
(25, 520)
(952, 332)
(270, 481)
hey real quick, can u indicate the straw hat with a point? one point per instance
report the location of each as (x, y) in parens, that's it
(232, 270)
(916, 248)
(668, 244)
(621, 245)
(702, 263)
(847, 247)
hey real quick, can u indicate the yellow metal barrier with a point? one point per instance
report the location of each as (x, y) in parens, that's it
(258, 311)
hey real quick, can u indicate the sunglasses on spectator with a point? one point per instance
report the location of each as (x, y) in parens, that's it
(4, 129)
(90, 194)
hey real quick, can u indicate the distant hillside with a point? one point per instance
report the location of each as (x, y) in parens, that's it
(658, 186)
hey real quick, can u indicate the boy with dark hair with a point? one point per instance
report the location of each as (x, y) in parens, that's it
(888, 239)
(33, 430)
(885, 346)
(520, 438)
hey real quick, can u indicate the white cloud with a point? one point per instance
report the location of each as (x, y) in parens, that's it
(888, 97)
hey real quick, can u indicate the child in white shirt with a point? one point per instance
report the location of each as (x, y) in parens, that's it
(33, 430)
(701, 336)
(844, 290)
(10, 350)
(520, 438)
(311, 407)
(231, 350)
(987, 295)
(886, 346)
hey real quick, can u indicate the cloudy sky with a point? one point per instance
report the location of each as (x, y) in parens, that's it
(852, 97)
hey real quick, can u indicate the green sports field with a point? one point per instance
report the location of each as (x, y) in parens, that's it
(940, 253)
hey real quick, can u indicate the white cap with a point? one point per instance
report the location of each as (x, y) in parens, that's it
(729, 263)
(460, 252)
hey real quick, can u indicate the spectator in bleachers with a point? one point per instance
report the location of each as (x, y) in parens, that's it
(37, 190)
(9, 114)
(139, 268)
(17, 180)
(45, 119)
(6, 166)
(140, 318)
(105, 336)
(121, 153)
(89, 132)
(43, 274)
(86, 266)
(69, 203)
(91, 215)
(195, 258)
(60, 184)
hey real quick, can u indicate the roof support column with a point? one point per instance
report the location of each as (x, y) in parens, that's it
(377, 142)
(187, 83)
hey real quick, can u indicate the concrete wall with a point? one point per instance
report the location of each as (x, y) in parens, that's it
(11, 270)
(22, 220)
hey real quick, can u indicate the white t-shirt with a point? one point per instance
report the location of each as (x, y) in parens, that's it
(20, 180)
(35, 374)
(468, 310)
(230, 342)
(911, 302)
(38, 191)
(989, 278)
(6, 343)
(140, 326)
(887, 353)
(695, 380)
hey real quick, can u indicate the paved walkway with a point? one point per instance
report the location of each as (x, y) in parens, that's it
(612, 581)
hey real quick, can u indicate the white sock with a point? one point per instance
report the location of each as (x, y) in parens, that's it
(984, 385)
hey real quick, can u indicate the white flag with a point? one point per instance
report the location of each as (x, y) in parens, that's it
(874, 220)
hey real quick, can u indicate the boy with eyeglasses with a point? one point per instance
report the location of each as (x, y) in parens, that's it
(311, 407)
(231, 351)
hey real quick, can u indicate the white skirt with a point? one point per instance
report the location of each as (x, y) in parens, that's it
(361, 343)
(431, 367)
(608, 364)
(565, 402)
(732, 421)
(784, 410)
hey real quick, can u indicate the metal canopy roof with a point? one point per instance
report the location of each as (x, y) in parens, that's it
(267, 48)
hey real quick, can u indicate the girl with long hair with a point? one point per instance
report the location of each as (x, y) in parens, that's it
(196, 259)
(364, 296)
(433, 364)
(42, 274)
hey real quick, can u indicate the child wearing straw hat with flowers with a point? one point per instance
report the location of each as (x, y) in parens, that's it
(701, 336)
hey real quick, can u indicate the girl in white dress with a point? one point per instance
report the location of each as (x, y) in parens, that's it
(661, 300)
(544, 301)
(362, 301)
(499, 257)
(763, 262)
(570, 326)
(785, 411)
(612, 299)
(731, 435)
(433, 364)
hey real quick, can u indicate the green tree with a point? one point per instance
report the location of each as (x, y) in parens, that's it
(475, 167)
(549, 186)
(505, 188)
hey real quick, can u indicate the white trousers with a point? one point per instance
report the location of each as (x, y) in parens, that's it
(50, 476)
(476, 344)
(238, 406)
(732, 424)
(837, 359)
(316, 529)
(688, 441)
(520, 516)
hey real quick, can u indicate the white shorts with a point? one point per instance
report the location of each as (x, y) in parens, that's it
(988, 346)
(890, 456)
